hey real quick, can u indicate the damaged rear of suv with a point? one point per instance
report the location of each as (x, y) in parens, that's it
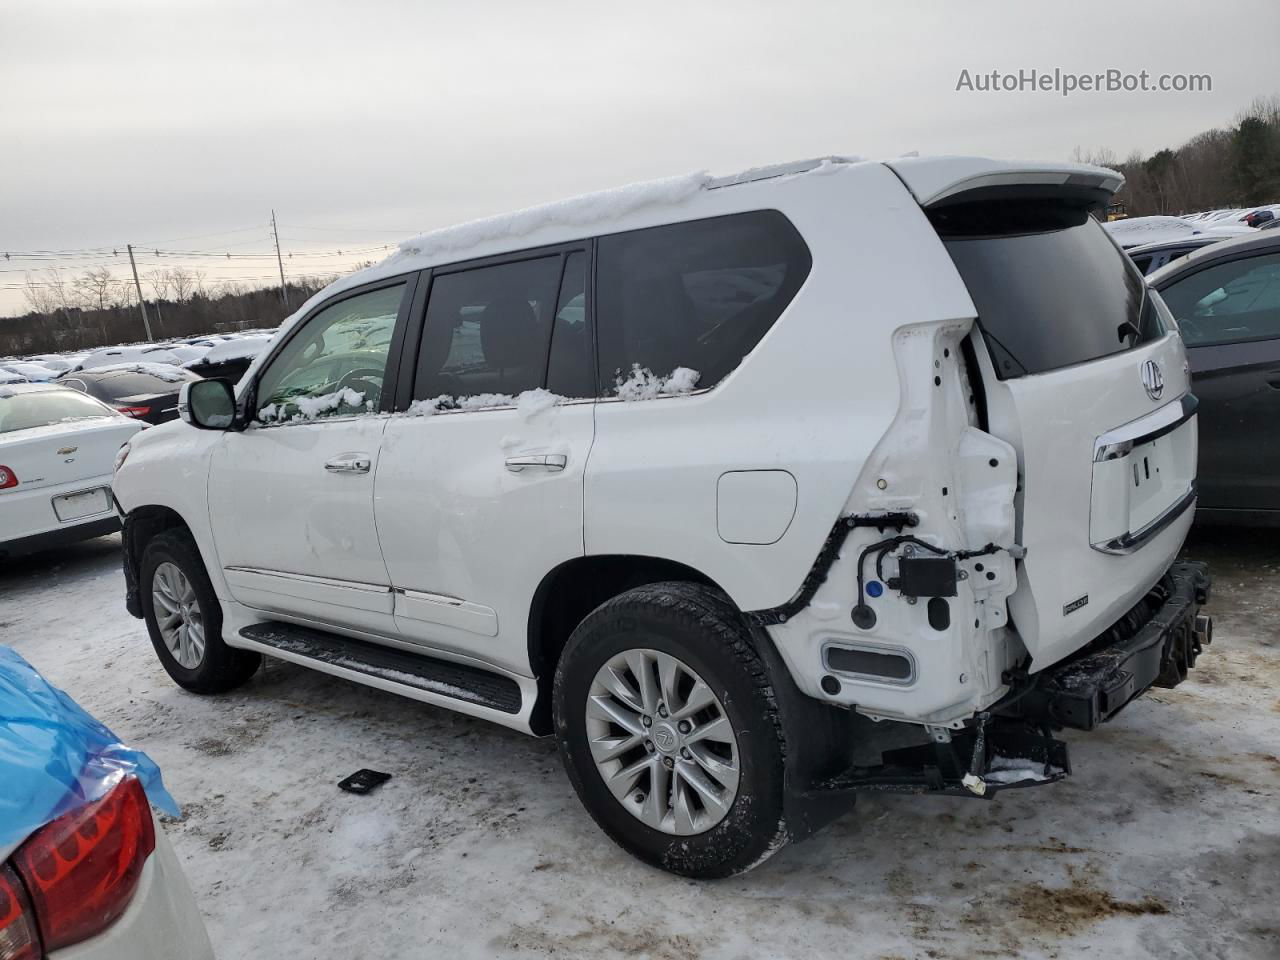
(692, 474)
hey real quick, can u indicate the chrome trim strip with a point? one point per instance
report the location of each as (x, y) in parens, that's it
(883, 649)
(1128, 543)
(306, 578)
(1118, 443)
(441, 598)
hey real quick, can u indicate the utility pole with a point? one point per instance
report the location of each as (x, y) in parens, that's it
(284, 291)
(142, 304)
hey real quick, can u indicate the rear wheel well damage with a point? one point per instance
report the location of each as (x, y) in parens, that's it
(140, 526)
(571, 591)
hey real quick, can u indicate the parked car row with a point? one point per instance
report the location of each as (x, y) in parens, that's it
(63, 419)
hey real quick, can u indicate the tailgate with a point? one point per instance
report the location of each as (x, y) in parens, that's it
(1107, 483)
(1082, 374)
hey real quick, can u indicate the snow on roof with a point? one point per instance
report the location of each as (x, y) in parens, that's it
(575, 211)
(112, 355)
(237, 349)
(425, 249)
(1143, 230)
(161, 371)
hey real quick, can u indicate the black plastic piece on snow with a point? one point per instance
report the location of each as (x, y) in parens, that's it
(362, 781)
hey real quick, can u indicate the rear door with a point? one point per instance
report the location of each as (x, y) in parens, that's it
(1229, 316)
(291, 496)
(479, 491)
(1085, 378)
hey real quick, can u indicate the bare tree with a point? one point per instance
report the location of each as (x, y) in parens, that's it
(94, 287)
(181, 282)
(38, 296)
(158, 281)
(1102, 157)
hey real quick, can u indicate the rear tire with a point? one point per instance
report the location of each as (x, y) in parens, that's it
(184, 617)
(672, 813)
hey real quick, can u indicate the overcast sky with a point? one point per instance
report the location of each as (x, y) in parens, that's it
(150, 120)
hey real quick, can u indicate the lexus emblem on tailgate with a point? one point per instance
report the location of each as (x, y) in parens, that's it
(1152, 379)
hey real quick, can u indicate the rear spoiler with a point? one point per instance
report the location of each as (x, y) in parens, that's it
(938, 182)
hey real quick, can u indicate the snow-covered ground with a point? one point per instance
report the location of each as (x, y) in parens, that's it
(1165, 843)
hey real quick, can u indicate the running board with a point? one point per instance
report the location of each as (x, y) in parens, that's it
(445, 678)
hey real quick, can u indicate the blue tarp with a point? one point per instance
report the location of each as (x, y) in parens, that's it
(54, 757)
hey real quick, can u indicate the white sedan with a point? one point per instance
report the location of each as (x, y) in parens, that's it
(57, 451)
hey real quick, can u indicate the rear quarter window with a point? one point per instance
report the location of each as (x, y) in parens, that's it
(699, 294)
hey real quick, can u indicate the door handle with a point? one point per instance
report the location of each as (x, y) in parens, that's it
(555, 462)
(354, 464)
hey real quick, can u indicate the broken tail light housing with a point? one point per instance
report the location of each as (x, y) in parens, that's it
(8, 478)
(82, 869)
(18, 937)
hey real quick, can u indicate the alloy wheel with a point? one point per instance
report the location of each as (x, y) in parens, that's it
(662, 742)
(178, 616)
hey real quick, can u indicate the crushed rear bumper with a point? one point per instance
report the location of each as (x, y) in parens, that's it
(1155, 644)
(1012, 746)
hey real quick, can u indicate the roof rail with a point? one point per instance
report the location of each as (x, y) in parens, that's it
(775, 170)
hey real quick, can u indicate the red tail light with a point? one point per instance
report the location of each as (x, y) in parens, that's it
(18, 937)
(82, 869)
(134, 411)
(7, 478)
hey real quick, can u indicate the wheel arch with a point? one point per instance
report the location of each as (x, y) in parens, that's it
(572, 590)
(141, 525)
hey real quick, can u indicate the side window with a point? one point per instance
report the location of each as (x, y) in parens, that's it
(571, 369)
(335, 365)
(1228, 303)
(695, 295)
(488, 330)
(1143, 264)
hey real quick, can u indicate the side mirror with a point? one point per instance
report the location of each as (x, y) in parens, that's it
(207, 404)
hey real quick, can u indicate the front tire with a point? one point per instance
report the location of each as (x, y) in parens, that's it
(668, 728)
(184, 618)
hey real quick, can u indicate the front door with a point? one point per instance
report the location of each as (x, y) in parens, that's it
(1229, 316)
(479, 491)
(291, 496)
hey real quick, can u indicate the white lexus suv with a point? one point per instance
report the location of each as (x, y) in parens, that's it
(691, 473)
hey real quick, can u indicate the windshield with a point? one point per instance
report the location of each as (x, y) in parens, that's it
(22, 411)
(1050, 287)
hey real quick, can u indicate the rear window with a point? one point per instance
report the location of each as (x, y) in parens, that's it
(132, 384)
(1051, 288)
(699, 294)
(22, 411)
